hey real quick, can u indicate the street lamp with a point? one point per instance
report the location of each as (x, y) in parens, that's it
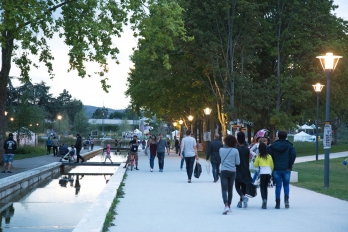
(329, 63)
(59, 118)
(190, 118)
(207, 112)
(181, 122)
(175, 124)
(6, 113)
(317, 88)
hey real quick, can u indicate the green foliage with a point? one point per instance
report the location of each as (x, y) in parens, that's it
(311, 176)
(81, 124)
(100, 113)
(24, 152)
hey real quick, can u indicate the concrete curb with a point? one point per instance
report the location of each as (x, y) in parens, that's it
(25, 179)
(93, 220)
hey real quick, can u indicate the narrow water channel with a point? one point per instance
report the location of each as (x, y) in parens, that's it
(57, 204)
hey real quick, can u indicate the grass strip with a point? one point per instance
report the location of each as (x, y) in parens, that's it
(110, 216)
(311, 176)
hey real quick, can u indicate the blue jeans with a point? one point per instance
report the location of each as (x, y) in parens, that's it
(160, 156)
(152, 161)
(215, 171)
(282, 177)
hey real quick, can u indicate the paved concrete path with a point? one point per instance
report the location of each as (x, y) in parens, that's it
(34, 162)
(321, 157)
(166, 202)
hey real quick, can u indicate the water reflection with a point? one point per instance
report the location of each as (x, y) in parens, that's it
(42, 208)
(7, 214)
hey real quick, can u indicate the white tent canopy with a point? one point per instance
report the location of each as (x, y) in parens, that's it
(26, 136)
(302, 136)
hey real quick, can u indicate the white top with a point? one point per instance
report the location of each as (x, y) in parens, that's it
(265, 170)
(254, 150)
(189, 144)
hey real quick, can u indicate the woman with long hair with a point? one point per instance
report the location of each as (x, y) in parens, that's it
(265, 162)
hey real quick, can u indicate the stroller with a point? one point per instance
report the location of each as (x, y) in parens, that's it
(69, 157)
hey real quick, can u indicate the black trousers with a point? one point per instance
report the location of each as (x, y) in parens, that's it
(78, 155)
(190, 161)
(227, 180)
(241, 189)
(55, 150)
(264, 180)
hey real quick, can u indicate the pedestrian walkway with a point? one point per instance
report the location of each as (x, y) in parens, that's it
(156, 201)
(34, 162)
(321, 157)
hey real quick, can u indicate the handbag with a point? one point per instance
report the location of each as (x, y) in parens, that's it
(208, 166)
(251, 190)
(198, 170)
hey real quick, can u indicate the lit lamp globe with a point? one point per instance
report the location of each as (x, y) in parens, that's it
(207, 111)
(190, 118)
(318, 87)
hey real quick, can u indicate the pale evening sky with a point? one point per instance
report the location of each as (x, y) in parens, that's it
(89, 90)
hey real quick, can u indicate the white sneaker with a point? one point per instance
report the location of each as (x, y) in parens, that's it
(226, 210)
(151, 170)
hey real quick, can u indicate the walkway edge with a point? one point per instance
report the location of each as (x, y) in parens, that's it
(93, 220)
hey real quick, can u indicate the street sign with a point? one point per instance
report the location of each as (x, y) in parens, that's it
(207, 136)
(327, 136)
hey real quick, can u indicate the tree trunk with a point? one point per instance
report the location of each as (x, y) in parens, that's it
(6, 52)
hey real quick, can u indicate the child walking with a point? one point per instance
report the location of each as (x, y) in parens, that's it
(265, 162)
(108, 153)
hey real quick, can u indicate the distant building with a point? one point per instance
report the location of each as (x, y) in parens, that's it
(111, 121)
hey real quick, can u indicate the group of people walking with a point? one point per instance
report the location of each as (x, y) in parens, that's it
(274, 160)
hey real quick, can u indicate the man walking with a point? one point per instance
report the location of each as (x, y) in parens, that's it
(78, 147)
(213, 153)
(177, 146)
(161, 151)
(283, 154)
(10, 146)
(55, 144)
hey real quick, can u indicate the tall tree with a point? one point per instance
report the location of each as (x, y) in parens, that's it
(86, 26)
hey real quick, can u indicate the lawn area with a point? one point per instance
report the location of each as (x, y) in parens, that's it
(24, 152)
(306, 148)
(311, 176)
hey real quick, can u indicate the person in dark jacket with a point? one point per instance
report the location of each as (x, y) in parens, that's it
(213, 154)
(283, 155)
(243, 176)
(78, 147)
(9, 146)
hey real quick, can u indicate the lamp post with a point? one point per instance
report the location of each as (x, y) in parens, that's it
(207, 112)
(190, 118)
(59, 117)
(317, 88)
(175, 124)
(181, 122)
(329, 63)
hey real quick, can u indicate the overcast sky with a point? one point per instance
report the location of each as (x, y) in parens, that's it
(89, 90)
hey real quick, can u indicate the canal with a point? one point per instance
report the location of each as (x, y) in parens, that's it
(57, 204)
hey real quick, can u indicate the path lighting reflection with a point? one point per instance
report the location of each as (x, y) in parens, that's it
(329, 63)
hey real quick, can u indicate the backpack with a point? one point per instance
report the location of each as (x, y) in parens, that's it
(134, 147)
